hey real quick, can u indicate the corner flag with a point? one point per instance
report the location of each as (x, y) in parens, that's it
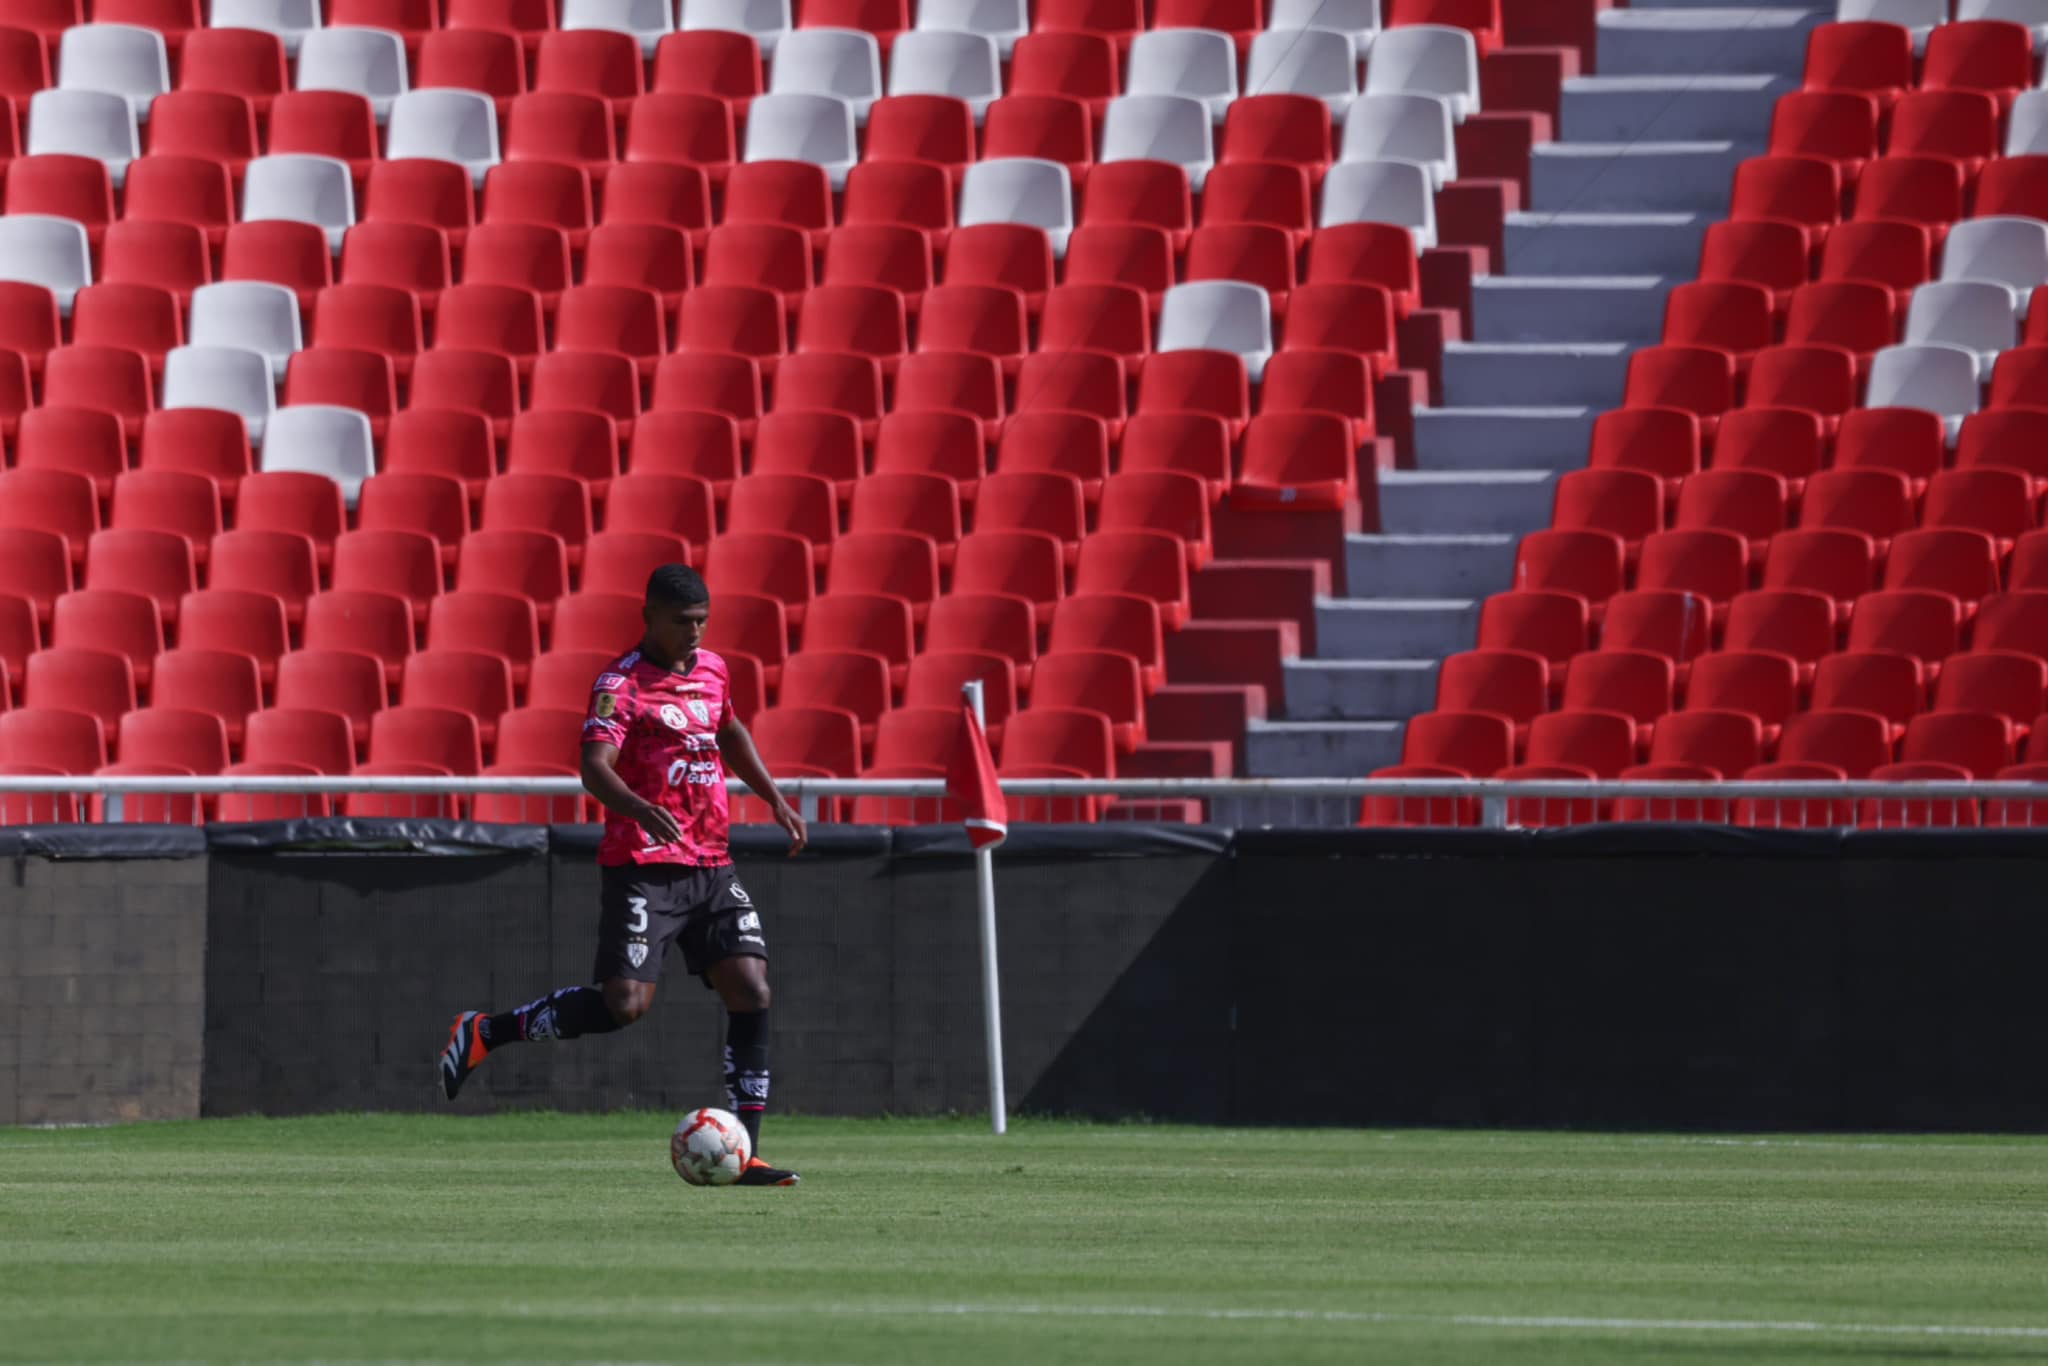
(971, 781)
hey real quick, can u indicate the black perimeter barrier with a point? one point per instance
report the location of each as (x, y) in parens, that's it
(1634, 976)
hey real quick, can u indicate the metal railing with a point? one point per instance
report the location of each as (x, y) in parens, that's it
(1238, 802)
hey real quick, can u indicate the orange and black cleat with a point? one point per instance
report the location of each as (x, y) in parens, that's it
(759, 1173)
(465, 1051)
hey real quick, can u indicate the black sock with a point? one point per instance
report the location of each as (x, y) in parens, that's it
(565, 1014)
(746, 1069)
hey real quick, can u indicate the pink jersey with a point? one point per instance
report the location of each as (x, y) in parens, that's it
(666, 726)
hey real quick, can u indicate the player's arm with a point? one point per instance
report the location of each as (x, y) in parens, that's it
(601, 780)
(737, 747)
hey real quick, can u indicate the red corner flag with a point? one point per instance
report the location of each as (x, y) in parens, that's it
(971, 781)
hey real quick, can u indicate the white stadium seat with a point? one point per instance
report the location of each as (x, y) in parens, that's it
(117, 58)
(364, 61)
(1919, 16)
(41, 250)
(253, 314)
(813, 128)
(1395, 192)
(318, 438)
(1023, 190)
(1309, 61)
(290, 20)
(230, 378)
(445, 125)
(1976, 315)
(1427, 59)
(768, 22)
(2012, 251)
(1171, 128)
(2027, 133)
(1942, 379)
(842, 62)
(1219, 315)
(1403, 128)
(962, 65)
(1358, 20)
(305, 189)
(1197, 63)
(84, 123)
(646, 21)
(1003, 20)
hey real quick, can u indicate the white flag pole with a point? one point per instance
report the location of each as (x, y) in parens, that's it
(991, 993)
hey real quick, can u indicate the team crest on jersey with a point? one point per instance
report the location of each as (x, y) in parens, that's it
(606, 704)
(636, 954)
(700, 710)
(610, 682)
(672, 717)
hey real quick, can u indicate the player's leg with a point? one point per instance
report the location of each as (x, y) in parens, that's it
(635, 924)
(724, 944)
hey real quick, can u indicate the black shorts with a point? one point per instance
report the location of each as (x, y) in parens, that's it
(642, 908)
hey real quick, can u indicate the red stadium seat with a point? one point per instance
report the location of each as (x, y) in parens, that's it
(29, 322)
(1588, 564)
(1908, 621)
(1854, 742)
(1803, 190)
(113, 621)
(774, 563)
(579, 444)
(428, 736)
(1671, 624)
(570, 129)
(1816, 379)
(2007, 438)
(477, 685)
(434, 194)
(404, 564)
(286, 253)
(168, 255)
(73, 441)
(672, 504)
(709, 62)
(1623, 503)
(413, 257)
(1960, 562)
(701, 445)
(156, 564)
(1024, 563)
(1750, 503)
(1765, 685)
(430, 504)
(1855, 315)
(1988, 55)
(1048, 501)
(485, 60)
(95, 683)
(328, 123)
(1877, 503)
(1797, 623)
(1906, 441)
(953, 381)
(796, 194)
(195, 741)
(1712, 564)
(1555, 625)
(1869, 58)
(1726, 743)
(1889, 252)
(523, 563)
(1664, 442)
(1475, 743)
(20, 637)
(1923, 190)
(110, 379)
(186, 505)
(1635, 683)
(598, 621)
(2013, 686)
(1956, 125)
(551, 503)
(1885, 684)
(1510, 683)
(492, 623)
(36, 739)
(601, 62)
(1733, 316)
(822, 739)
(999, 624)
(931, 128)
(2015, 621)
(243, 623)
(622, 561)
(218, 683)
(1834, 125)
(478, 381)
(1996, 502)
(1694, 379)
(1578, 743)
(1839, 564)
(1783, 442)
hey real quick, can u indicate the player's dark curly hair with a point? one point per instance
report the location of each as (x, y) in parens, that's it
(676, 585)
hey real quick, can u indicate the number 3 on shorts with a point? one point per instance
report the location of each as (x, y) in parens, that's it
(636, 915)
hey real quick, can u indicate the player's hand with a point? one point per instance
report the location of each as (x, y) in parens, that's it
(659, 823)
(787, 817)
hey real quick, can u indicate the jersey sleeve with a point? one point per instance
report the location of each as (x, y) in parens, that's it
(613, 703)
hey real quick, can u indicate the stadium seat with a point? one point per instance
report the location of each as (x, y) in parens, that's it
(93, 683)
(404, 564)
(1587, 564)
(217, 683)
(1915, 622)
(1671, 624)
(1960, 562)
(1634, 683)
(1725, 743)
(1510, 683)
(75, 441)
(1710, 563)
(1555, 625)
(36, 739)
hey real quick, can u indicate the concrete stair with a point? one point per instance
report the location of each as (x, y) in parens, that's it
(1615, 213)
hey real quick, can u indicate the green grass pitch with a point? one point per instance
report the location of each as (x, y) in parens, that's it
(557, 1238)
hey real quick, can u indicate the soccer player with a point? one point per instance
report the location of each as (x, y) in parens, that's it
(656, 744)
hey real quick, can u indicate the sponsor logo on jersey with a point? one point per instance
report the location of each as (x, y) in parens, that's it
(610, 682)
(739, 894)
(672, 717)
(750, 921)
(606, 704)
(700, 710)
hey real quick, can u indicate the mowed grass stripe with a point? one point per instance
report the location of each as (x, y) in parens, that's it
(534, 1236)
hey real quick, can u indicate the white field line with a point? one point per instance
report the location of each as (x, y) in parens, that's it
(1525, 1322)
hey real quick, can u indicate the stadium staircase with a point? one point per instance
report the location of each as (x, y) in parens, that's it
(1676, 95)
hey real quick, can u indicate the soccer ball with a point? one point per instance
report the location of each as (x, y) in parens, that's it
(710, 1148)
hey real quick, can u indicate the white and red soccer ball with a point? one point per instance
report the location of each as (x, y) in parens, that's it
(710, 1148)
